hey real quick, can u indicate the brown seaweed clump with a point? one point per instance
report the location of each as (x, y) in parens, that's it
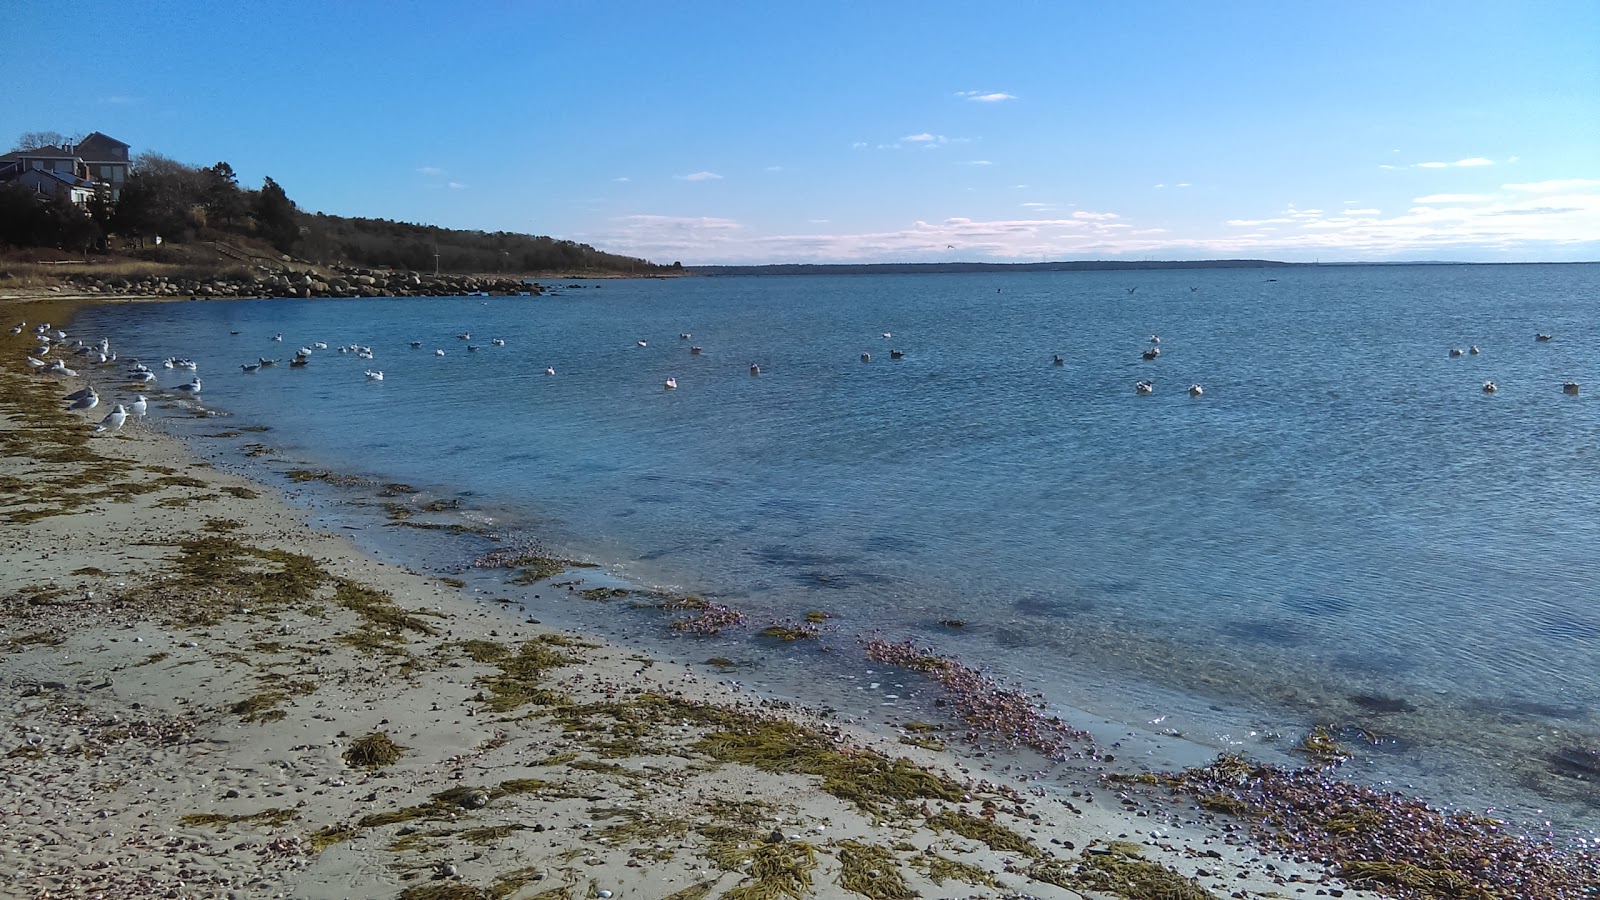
(374, 751)
(1387, 841)
(992, 713)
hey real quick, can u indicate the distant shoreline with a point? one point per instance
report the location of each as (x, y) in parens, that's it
(953, 268)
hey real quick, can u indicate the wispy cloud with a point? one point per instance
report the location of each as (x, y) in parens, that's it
(1094, 216)
(430, 170)
(859, 145)
(986, 96)
(622, 179)
(1468, 163)
(1363, 212)
(774, 168)
(119, 100)
(1453, 198)
(454, 185)
(1037, 205)
(1550, 187)
(699, 176)
(978, 162)
(924, 138)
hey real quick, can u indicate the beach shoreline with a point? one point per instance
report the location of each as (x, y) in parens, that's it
(193, 669)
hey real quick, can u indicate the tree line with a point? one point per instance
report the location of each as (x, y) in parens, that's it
(181, 203)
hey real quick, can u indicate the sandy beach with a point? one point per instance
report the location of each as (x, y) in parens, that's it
(208, 698)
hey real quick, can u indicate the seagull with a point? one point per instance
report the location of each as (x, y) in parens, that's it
(671, 384)
(1455, 352)
(278, 336)
(189, 364)
(1541, 336)
(1152, 353)
(79, 394)
(472, 348)
(233, 332)
(866, 357)
(1570, 387)
(549, 370)
(321, 345)
(374, 375)
(146, 376)
(416, 345)
(498, 342)
(755, 369)
(252, 367)
(192, 387)
(140, 405)
(1196, 390)
(299, 362)
(685, 336)
(642, 344)
(1155, 338)
(60, 368)
(694, 351)
(113, 420)
(266, 363)
(897, 354)
(888, 334)
(36, 363)
(1490, 387)
(88, 401)
(438, 352)
(1474, 350)
(1132, 289)
(169, 363)
(465, 336)
(1144, 387)
(1058, 360)
(303, 351)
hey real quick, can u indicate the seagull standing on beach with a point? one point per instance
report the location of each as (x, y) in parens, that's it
(140, 405)
(192, 387)
(84, 399)
(113, 420)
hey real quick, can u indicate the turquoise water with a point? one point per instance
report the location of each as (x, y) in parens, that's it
(1344, 528)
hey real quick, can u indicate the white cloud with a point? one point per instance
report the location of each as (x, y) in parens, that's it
(979, 162)
(1159, 186)
(1560, 184)
(991, 97)
(454, 185)
(774, 168)
(818, 221)
(699, 176)
(860, 145)
(925, 138)
(1363, 212)
(1184, 184)
(1453, 198)
(1037, 205)
(430, 170)
(1095, 216)
(1256, 223)
(622, 179)
(1468, 163)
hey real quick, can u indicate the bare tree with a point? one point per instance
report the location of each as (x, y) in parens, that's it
(33, 140)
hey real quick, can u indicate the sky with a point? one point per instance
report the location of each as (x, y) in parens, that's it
(773, 132)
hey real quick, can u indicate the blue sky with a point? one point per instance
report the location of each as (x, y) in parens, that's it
(851, 132)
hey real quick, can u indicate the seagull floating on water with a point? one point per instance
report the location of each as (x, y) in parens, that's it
(251, 367)
(1196, 390)
(1474, 350)
(670, 384)
(1152, 353)
(1057, 360)
(866, 357)
(498, 342)
(1144, 387)
(437, 352)
(113, 420)
(755, 369)
(299, 362)
(897, 354)
(694, 351)
(1490, 387)
(374, 375)
(278, 336)
(321, 345)
(1570, 387)
(1455, 352)
(266, 363)
(416, 345)
(685, 336)
(642, 343)
(192, 387)
(1541, 336)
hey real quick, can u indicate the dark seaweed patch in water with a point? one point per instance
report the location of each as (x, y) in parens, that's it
(1276, 633)
(1011, 638)
(1380, 704)
(1566, 628)
(1374, 663)
(1519, 708)
(1051, 604)
(1582, 763)
(1319, 607)
(1115, 587)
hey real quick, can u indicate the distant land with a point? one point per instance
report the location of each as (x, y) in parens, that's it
(1092, 265)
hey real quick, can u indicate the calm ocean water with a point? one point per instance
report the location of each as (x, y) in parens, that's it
(1343, 529)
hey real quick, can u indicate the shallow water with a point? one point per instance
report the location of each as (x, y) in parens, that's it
(1343, 529)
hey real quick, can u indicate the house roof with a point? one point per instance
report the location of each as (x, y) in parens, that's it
(69, 180)
(97, 144)
(51, 152)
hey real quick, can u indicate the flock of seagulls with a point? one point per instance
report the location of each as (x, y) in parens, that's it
(54, 340)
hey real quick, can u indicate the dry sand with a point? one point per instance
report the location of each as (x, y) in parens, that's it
(188, 665)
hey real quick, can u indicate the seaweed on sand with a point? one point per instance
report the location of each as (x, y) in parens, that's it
(872, 871)
(374, 751)
(1119, 869)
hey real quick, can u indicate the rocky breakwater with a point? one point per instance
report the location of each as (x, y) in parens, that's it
(265, 282)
